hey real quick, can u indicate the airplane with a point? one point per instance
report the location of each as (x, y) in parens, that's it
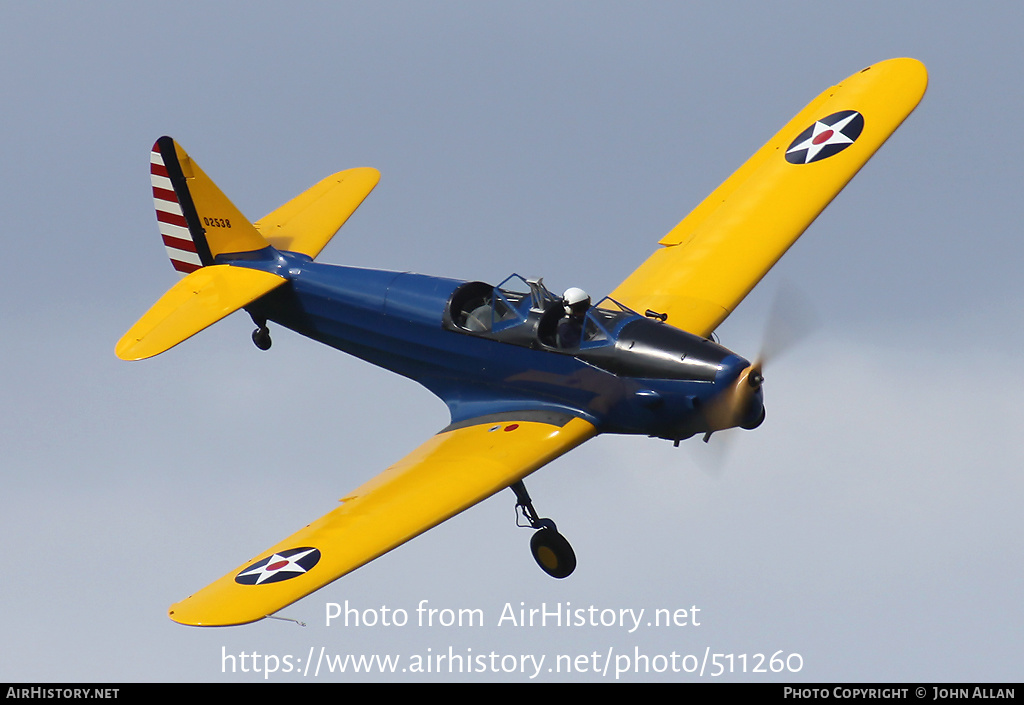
(527, 374)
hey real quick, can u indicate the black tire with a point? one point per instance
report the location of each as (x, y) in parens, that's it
(261, 337)
(553, 553)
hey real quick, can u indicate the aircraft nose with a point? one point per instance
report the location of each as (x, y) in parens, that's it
(731, 368)
(739, 399)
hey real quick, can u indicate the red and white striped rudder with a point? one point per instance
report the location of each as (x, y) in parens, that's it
(178, 239)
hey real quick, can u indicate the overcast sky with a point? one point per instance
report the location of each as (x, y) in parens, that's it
(872, 525)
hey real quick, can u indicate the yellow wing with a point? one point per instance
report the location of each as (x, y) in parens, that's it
(449, 473)
(721, 250)
(307, 223)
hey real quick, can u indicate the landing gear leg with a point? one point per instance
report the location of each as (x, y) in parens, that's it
(552, 552)
(261, 336)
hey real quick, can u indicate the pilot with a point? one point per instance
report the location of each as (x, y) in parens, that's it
(570, 328)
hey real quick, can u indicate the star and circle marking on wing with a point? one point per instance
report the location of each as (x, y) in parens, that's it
(826, 137)
(284, 565)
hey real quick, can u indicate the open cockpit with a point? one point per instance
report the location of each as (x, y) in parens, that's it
(524, 312)
(611, 336)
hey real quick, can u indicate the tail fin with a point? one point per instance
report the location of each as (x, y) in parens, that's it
(197, 221)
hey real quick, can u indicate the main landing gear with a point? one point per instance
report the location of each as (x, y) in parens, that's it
(552, 552)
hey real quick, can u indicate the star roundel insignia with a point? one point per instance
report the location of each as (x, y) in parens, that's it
(280, 566)
(827, 136)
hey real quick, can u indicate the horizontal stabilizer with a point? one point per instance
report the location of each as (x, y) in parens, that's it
(199, 300)
(307, 223)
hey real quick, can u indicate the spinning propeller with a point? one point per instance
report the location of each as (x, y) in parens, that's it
(790, 321)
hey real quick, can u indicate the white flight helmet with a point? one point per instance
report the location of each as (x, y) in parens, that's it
(576, 300)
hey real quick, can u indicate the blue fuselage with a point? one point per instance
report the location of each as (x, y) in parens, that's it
(640, 376)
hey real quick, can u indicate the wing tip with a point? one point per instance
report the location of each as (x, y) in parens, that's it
(123, 349)
(911, 72)
(179, 614)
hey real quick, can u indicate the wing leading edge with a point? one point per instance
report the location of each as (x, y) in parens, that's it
(451, 472)
(712, 259)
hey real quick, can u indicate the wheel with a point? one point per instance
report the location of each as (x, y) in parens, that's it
(261, 337)
(553, 553)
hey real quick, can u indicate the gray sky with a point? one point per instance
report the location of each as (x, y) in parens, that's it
(871, 525)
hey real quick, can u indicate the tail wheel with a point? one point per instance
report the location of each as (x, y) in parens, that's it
(553, 553)
(261, 337)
